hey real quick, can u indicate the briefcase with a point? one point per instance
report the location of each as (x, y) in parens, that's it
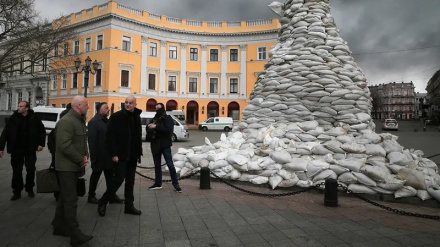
(47, 181)
(81, 187)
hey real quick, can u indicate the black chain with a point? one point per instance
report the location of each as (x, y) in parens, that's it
(149, 167)
(397, 211)
(264, 194)
(167, 180)
(432, 156)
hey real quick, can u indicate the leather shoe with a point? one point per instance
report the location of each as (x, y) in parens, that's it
(31, 194)
(60, 232)
(15, 197)
(117, 200)
(79, 239)
(132, 210)
(102, 207)
(92, 200)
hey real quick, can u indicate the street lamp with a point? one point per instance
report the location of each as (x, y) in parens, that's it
(86, 68)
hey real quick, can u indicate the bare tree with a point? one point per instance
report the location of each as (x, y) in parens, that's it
(27, 42)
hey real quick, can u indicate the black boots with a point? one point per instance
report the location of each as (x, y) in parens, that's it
(16, 196)
(116, 200)
(132, 210)
(79, 238)
(102, 207)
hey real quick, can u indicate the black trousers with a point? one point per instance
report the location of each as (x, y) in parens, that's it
(18, 159)
(124, 170)
(157, 158)
(65, 213)
(94, 179)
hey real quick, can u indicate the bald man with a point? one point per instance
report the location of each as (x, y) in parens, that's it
(124, 143)
(71, 157)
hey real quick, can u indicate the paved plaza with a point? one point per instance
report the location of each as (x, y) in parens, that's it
(221, 216)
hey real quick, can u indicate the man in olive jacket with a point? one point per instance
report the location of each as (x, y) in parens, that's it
(71, 157)
(24, 135)
(124, 143)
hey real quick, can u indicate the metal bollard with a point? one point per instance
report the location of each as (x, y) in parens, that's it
(331, 193)
(424, 128)
(205, 178)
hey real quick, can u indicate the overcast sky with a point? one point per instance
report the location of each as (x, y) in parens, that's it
(374, 29)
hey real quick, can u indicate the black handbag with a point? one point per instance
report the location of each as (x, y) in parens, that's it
(47, 181)
(81, 187)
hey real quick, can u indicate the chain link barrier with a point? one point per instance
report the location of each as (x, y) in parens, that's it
(167, 180)
(149, 167)
(394, 210)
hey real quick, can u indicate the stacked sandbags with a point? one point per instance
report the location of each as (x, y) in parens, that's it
(309, 119)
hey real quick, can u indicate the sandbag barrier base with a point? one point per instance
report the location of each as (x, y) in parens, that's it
(397, 211)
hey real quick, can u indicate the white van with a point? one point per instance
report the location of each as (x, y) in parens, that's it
(49, 115)
(217, 123)
(179, 114)
(180, 129)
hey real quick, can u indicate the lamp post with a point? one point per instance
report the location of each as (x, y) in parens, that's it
(87, 69)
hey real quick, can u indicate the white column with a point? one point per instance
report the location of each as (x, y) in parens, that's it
(243, 72)
(182, 69)
(144, 52)
(224, 68)
(163, 80)
(203, 82)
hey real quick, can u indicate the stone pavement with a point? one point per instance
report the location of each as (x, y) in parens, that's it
(221, 216)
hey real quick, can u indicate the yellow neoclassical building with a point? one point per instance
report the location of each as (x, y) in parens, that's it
(205, 68)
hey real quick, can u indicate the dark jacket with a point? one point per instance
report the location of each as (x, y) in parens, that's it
(71, 143)
(124, 135)
(163, 131)
(99, 155)
(22, 132)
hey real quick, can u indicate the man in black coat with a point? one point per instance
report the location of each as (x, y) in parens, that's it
(24, 135)
(101, 160)
(124, 143)
(163, 127)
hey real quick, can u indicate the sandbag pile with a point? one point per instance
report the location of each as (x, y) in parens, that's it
(309, 119)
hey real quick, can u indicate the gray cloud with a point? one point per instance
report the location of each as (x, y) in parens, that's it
(367, 26)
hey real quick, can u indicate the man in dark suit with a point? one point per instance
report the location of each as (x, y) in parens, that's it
(99, 156)
(124, 143)
(163, 127)
(25, 135)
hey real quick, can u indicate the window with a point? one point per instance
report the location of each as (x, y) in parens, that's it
(75, 80)
(30, 98)
(126, 43)
(64, 81)
(76, 47)
(233, 85)
(54, 82)
(87, 46)
(213, 85)
(124, 78)
(96, 105)
(99, 40)
(192, 85)
(233, 55)
(19, 97)
(9, 101)
(66, 49)
(213, 55)
(193, 54)
(152, 81)
(153, 49)
(63, 105)
(172, 83)
(261, 53)
(55, 51)
(172, 52)
(98, 78)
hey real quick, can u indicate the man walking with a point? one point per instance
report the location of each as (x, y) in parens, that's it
(124, 143)
(163, 127)
(99, 156)
(25, 135)
(71, 157)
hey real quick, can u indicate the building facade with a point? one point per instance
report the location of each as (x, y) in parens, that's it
(205, 68)
(393, 100)
(433, 96)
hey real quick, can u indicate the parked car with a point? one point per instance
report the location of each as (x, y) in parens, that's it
(390, 124)
(217, 123)
(49, 115)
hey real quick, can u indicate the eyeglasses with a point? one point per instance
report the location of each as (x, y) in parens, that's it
(129, 102)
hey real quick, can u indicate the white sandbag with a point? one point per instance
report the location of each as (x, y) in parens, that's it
(246, 177)
(395, 168)
(413, 178)
(233, 175)
(423, 195)
(213, 165)
(320, 150)
(196, 158)
(434, 191)
(289, 182)
(217, 156)
(406, 191)
(375, 150)
(254, 165)
(281, 157)
(228, 168)
(338, 169)
(392, 146)
(334, 146)
(184, 151)
(304, 183)
(361, 189)
(259, 180)
(424, 162)
(373, 137)
(353, 147)
(179, 163)
(309, 125)
(348, 178)
(324, 175)
(382, 191)
(363, 179)
(316, 166)
(265, 162)
(297, 164)
(237, 159)
(284, 174)
(353, 164)
(391, 183)
(398, 158)
(376, 173)
(275, 180)
(204, 163)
